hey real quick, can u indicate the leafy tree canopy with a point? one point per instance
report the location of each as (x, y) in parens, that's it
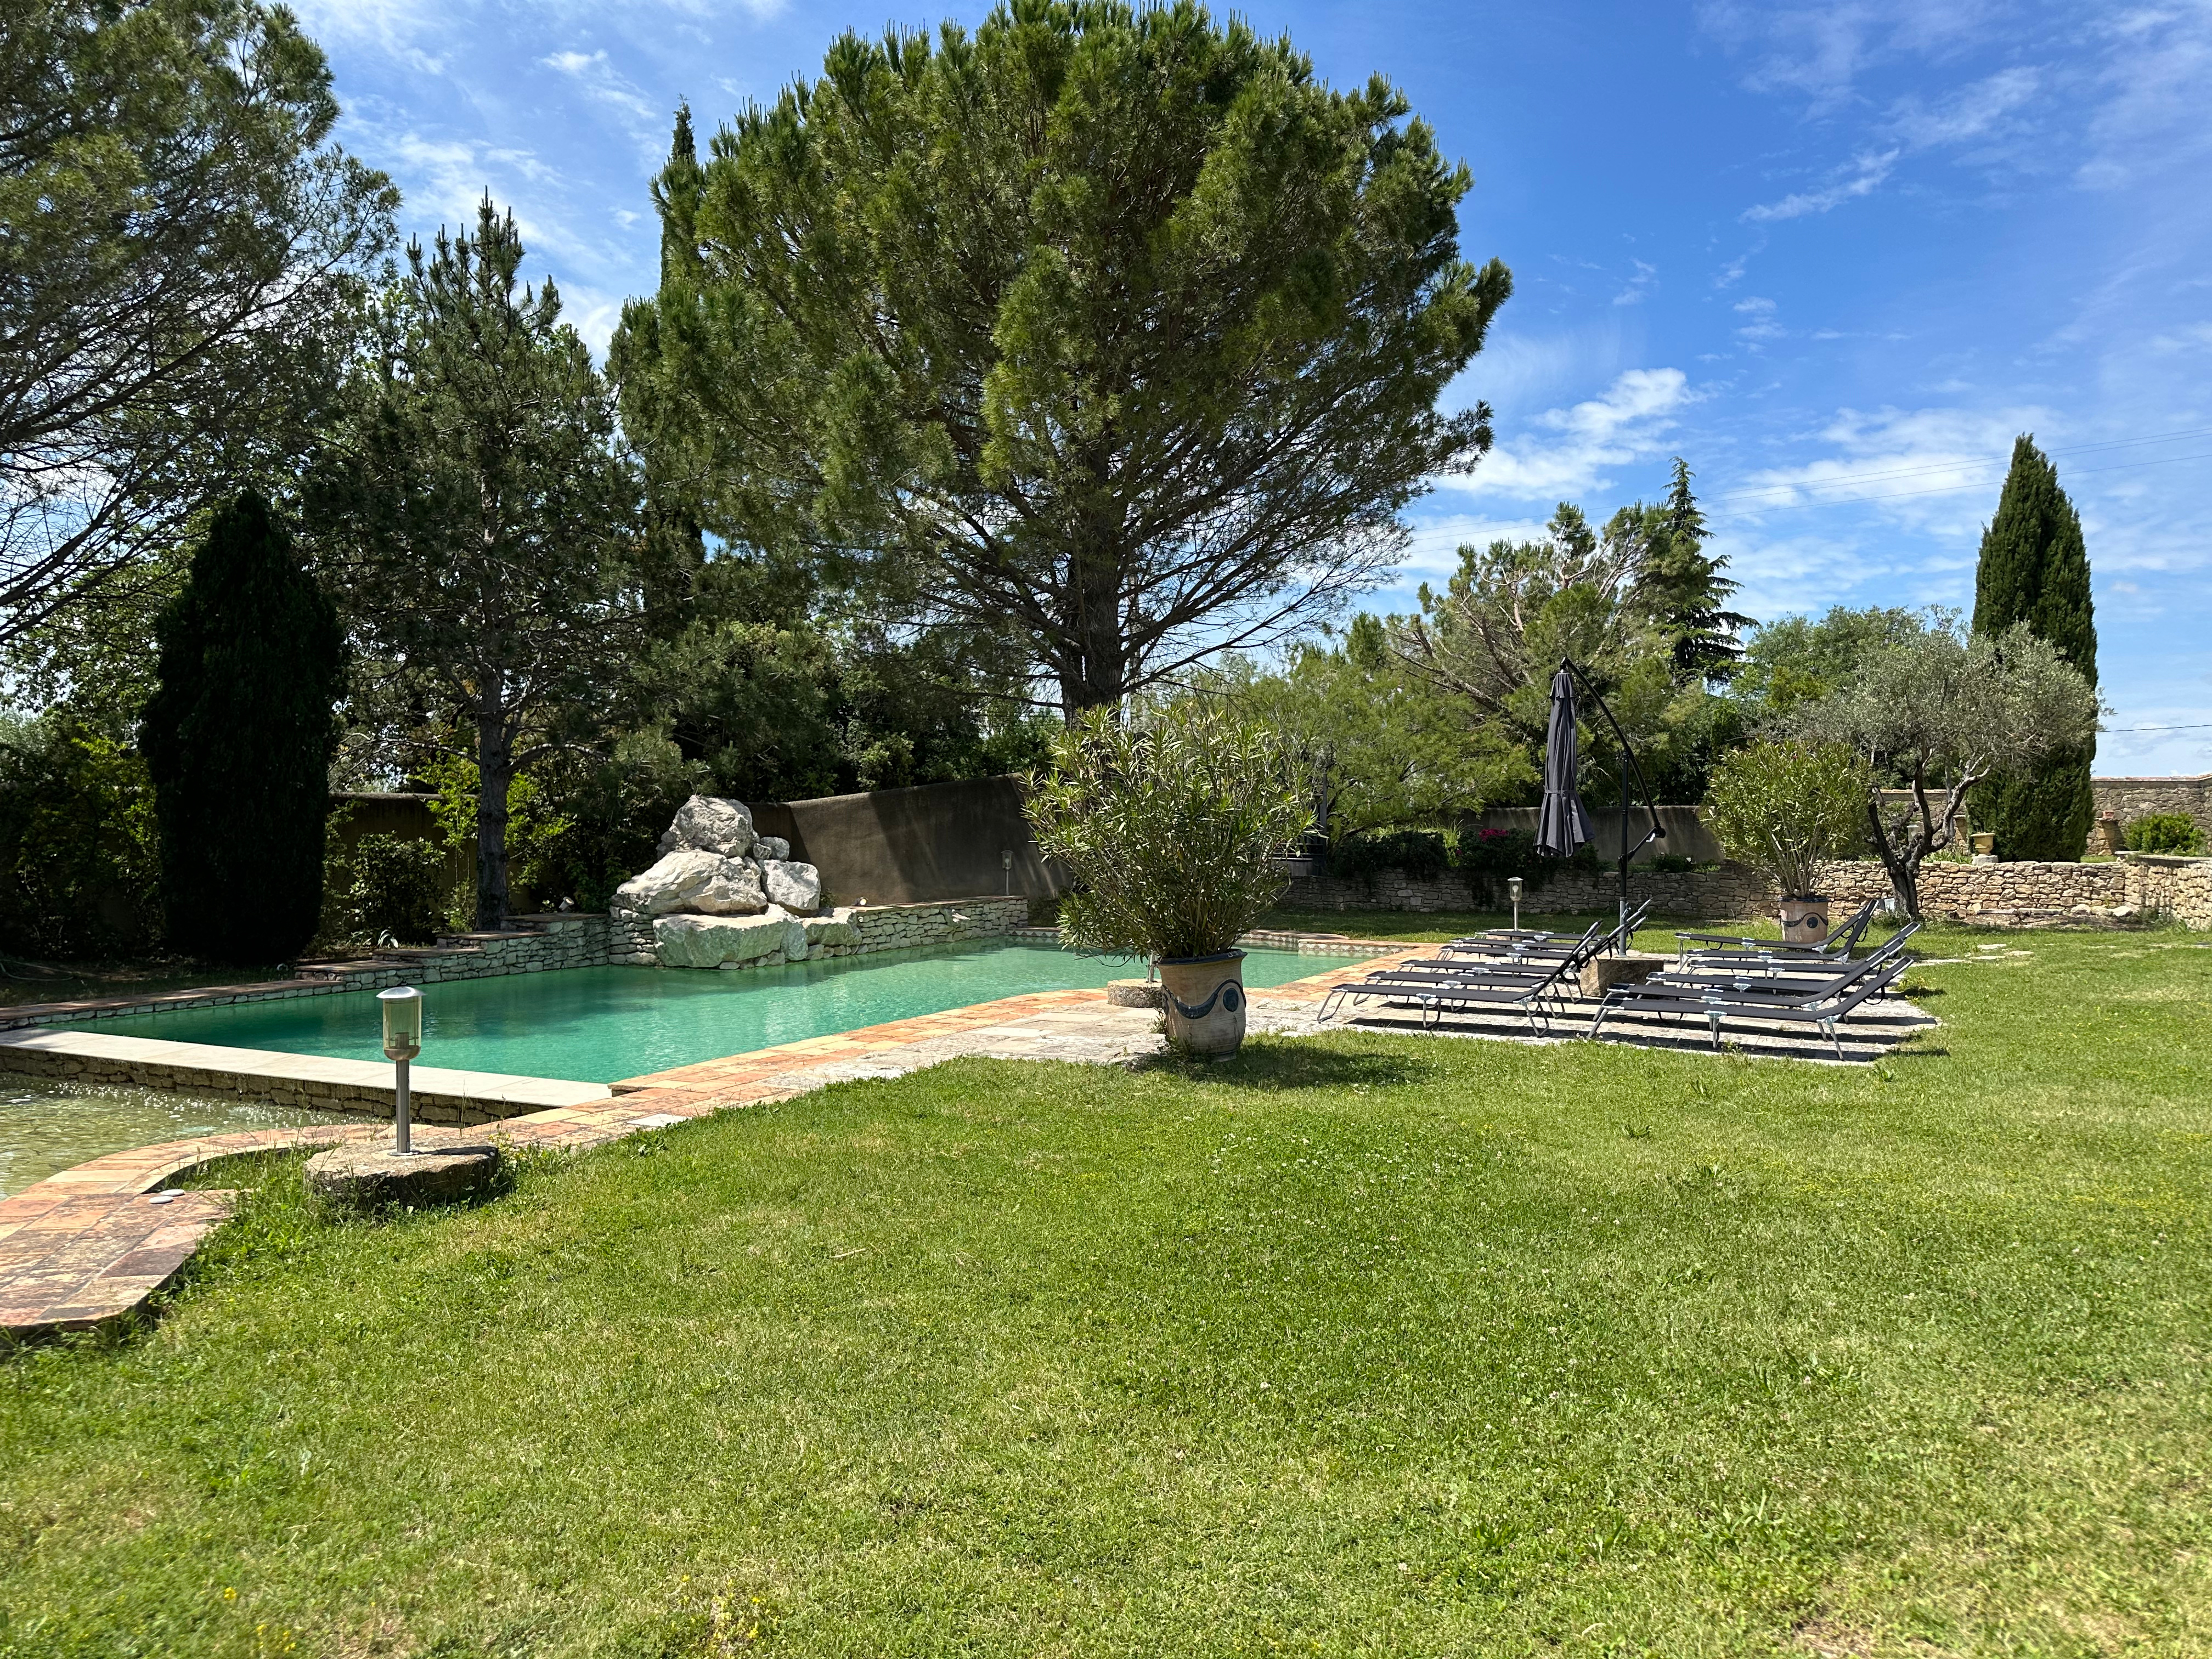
(180, 248)
(1109, 327)
(1941, 710)
(479, 512)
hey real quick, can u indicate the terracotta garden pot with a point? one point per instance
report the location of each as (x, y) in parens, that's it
(1205, 998)
(1805, 920)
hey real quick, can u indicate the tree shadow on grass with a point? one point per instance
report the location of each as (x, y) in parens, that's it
(1281, 1067)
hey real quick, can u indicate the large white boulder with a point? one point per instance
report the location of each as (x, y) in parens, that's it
(736, 890)
(711, 825)
(670, 882)
(794, 886)
(691, 880)
(712, 941)
(836, 928)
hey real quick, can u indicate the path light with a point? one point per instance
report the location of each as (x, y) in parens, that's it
(1006, 864)
(1513, 890)
(403, 1040)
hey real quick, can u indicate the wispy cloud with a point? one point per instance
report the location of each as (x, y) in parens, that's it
(1569, 452)
(1639, 284)
(602, 83)
(1862, 177)
(1974, 111)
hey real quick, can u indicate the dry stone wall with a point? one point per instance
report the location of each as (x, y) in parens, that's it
(2128, 799)
(1729, 890)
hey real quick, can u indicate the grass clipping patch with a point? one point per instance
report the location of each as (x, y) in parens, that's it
(1363, 1345)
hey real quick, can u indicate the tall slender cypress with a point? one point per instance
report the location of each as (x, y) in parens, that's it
(2035, 568)
(238, 739)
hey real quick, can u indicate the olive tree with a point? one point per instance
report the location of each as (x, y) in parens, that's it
(1941, 710)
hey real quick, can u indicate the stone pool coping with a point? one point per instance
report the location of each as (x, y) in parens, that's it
(88, 1247)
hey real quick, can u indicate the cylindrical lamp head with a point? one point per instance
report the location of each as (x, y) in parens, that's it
(403, 1020)
(1513, 888)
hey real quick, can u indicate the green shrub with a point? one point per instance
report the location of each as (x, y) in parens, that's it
(79, 874)
(388, 889)
(1168, 824)
(1786, 808)
(1419, 854)
(2163, 832)
(1491, 856)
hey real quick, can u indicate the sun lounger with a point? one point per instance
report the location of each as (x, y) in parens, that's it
(1837, 946)
(1779, 971)
(1824, 1001)
(1535, 984)
(1530, 941)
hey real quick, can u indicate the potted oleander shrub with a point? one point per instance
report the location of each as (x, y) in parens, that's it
(1168, 821)
(1785, 809)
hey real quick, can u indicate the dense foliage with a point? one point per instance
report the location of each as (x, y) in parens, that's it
(1787, 808)
(479, 510)
(1168, 821)
(1110, 328)
(80, 868)
(1939, 712)
(2034, 569)
(2163, 832)
(180, 249)
(238, 737)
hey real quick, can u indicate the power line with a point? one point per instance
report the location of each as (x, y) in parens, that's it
(2201, 725)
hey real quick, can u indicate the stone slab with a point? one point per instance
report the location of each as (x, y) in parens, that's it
(374, 1176)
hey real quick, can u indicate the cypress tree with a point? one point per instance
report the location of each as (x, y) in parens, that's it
(2034, 568)
(238, 739)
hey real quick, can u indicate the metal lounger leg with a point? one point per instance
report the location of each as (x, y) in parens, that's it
(1835, 1042)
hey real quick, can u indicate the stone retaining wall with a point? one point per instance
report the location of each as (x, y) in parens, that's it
(2137, 798)
(1730, 890)
(2138, 884)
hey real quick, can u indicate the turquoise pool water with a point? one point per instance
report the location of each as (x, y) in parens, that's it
(601, 1024)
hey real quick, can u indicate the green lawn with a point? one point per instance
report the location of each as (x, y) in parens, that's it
(1361, 1346)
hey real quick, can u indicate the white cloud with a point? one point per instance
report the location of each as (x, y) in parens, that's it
(603, 82)
(1972, 111)
(1639, 284)
(1861, 178)
(1567, 452)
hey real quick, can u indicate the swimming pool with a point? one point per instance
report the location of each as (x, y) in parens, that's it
(603, 1025)
(46, 1127)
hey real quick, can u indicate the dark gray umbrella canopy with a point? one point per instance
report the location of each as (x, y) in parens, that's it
(1562, 826)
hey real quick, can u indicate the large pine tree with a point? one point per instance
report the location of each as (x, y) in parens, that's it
(238, 740)
(2035, 568)
(1682, 589)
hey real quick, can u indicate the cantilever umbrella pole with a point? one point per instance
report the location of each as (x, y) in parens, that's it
(1628, 762)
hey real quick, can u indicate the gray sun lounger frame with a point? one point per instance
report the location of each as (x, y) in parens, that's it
(1531, 984)
(1837, 947)
(1826, 1003)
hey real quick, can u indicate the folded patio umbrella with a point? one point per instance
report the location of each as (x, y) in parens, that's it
(1562, 826)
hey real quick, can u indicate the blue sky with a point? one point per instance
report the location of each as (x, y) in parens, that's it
(1835, 255)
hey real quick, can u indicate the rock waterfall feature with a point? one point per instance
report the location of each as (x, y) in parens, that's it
(721, 896)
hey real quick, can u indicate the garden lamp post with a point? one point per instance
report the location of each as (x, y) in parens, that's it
(1513, 892)
(403, 1040)
(1006, 864)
